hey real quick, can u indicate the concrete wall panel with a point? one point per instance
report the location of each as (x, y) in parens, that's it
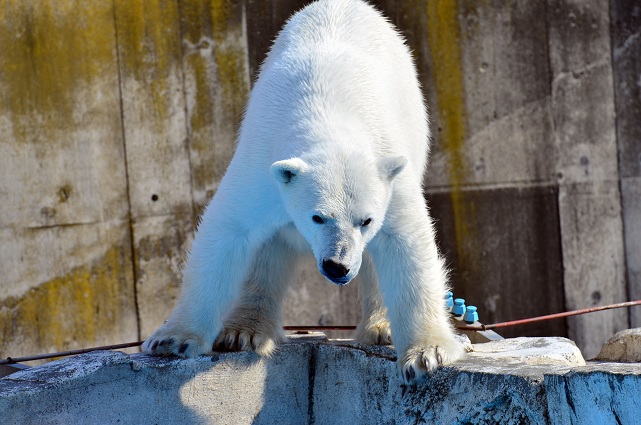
(505, 77)
(216, 74)
(161, 245)
(61, 145)
(90, 303)
(510, 266)
(631, 194)
(626, 51)
(65, 238)
(589, 198)
(593, 261)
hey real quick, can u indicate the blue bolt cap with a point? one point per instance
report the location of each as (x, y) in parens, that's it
(459, 307)
(471, 315)
(449, 301)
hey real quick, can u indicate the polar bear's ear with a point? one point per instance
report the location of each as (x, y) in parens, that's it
(390, 167)
(287, 170)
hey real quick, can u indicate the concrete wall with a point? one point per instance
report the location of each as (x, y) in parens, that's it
(626, 51)
(524, 179)
(117, 121)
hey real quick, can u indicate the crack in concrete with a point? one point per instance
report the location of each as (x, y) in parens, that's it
(580, 72)
(627, 45)
(367, 353)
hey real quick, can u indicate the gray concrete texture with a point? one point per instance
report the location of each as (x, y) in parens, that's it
(535, 176)
(312, 380)
(624, 346)
(528, 200)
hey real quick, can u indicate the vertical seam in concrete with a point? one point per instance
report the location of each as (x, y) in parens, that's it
(311, 377)
(557, 175)
(127, 185)
(188, 134)
(553, 135)
(619, 160)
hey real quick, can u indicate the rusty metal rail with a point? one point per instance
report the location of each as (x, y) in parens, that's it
(479, 327)
(549, 317)
(12, 360)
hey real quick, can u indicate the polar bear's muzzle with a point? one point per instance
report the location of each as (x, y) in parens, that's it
(335, 272)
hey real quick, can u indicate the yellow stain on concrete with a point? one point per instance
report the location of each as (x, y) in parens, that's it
(221, 82)
(49, 49)
(231, 57)
(88, 305)
(444, 39)
(150, 50)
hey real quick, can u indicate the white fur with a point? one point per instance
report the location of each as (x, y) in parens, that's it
(335, 128)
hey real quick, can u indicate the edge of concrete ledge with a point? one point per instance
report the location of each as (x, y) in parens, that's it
(312, 380)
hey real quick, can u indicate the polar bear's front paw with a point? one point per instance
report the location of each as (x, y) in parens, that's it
(168, 341)
(258, 337)
(418, 361)
(375, 332)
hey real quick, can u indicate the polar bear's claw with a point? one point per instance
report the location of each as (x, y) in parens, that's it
(418, 362)
(261, 342)
(168, 340)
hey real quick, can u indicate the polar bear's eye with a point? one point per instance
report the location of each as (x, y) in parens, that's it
(366, 222)
(318, 219)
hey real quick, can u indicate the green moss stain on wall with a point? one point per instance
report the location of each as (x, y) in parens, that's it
(72, 311)
(149, 49)
(58, 58)
(196, 31)
(445, 46)
(231, 56)
(215, 61)
(49, 50)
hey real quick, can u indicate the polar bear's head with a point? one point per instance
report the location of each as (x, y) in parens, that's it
(338, 203)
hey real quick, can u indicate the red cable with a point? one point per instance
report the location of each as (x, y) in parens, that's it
(548, 317)
(10, 360)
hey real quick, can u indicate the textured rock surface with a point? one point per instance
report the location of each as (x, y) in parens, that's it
(311, 380)
(624, 346)
(530, 351)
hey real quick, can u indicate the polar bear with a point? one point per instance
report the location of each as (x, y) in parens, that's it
(330, 158)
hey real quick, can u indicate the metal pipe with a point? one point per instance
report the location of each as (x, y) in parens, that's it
(319, 328)
(549, 317)
(12, 360)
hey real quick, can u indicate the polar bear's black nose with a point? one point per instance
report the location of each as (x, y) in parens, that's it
(334, 270)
